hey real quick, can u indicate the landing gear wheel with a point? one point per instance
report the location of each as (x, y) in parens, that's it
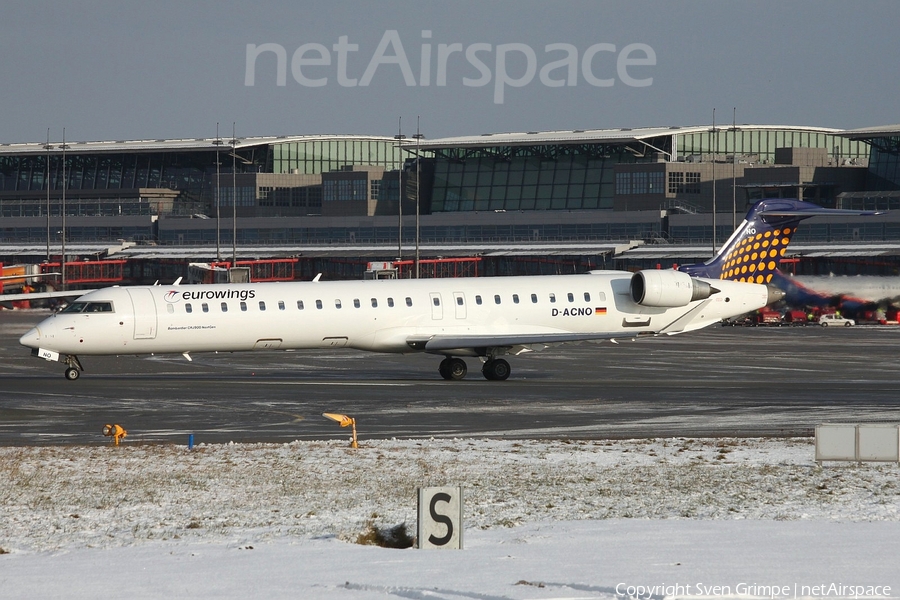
(444, 368)
(456, 369)
(72, 373)
(496, 370)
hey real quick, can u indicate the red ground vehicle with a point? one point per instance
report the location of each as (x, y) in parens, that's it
(796, 317)
(768, 317)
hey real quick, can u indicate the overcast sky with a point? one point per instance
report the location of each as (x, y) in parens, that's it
(113, 70)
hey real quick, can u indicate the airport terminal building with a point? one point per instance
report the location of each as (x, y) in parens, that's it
(660, 185)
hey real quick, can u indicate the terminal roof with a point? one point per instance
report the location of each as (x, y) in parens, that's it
(179, 145)
(587, 136)
(872, 132)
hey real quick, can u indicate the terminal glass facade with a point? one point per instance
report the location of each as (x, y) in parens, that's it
(186, 171)
(761, 143)
(526, 178)
(884, 164)
(316, 156)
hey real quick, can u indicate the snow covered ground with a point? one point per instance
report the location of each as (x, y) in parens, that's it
(544, 519)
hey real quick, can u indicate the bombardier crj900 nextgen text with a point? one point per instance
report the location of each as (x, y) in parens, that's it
(486, 317)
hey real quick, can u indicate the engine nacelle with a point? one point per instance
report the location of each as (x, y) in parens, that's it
(668, 289)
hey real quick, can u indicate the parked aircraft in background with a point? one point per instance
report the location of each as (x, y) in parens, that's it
(852, 293)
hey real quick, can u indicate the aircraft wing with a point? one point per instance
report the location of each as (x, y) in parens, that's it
(42, 295)
(438, 342)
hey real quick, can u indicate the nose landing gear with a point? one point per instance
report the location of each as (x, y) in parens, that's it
(73, 367)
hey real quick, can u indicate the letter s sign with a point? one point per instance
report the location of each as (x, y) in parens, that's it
(440, 517)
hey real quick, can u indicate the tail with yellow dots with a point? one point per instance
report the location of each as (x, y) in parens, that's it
(755, 249)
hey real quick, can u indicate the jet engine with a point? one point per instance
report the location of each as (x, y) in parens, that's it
(668, 289)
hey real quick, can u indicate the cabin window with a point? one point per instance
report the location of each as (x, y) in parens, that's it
(205, 307)
(534, 298)
(374, 303)
(408, 301)
(459, 300)
(478, 300)
(436, 301)
(262, 305)
(224, 307)
(587, 296)
(571, 297)
(356, 303)
(170, 308)
(552, 298)
(391, 302)
(299, 304)
(601, 296)
(337, 303)
(188, 308)
(515, 298)
(244, 306)
(496, 298)
(319, 304)
(281, 305)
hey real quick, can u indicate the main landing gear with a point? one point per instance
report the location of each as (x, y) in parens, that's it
(495, 369)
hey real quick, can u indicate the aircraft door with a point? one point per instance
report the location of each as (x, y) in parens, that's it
(144, 313)
(459, 302)
(437, 310)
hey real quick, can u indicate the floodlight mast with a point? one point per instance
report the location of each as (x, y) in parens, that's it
(400, 137)
(418, 137)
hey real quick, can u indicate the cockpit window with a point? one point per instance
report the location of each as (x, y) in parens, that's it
(89, 307)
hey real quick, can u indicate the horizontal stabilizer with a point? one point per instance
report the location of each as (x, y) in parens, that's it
(821, 212)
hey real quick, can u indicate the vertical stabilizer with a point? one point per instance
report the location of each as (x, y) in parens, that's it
(754, 250)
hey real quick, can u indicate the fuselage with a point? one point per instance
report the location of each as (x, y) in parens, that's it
(375, 315)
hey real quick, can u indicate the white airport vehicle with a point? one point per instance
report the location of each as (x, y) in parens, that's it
(486, 317)
(835, 321)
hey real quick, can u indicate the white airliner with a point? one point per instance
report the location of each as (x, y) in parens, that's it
(486, 317)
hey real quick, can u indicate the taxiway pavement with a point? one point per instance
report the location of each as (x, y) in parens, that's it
(722, 381)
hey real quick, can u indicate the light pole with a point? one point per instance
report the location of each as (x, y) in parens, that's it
(233, 198)
(218, 143)
(400, 137)
(63, 231)
(48, 148)
(715, 147)
(733, 168)
(418, 137)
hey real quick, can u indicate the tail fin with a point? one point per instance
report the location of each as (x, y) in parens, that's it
(753, 251)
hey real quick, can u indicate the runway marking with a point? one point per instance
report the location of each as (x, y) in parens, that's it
(339, 383)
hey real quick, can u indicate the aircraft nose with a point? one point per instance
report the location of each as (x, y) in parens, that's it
(31, 338)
